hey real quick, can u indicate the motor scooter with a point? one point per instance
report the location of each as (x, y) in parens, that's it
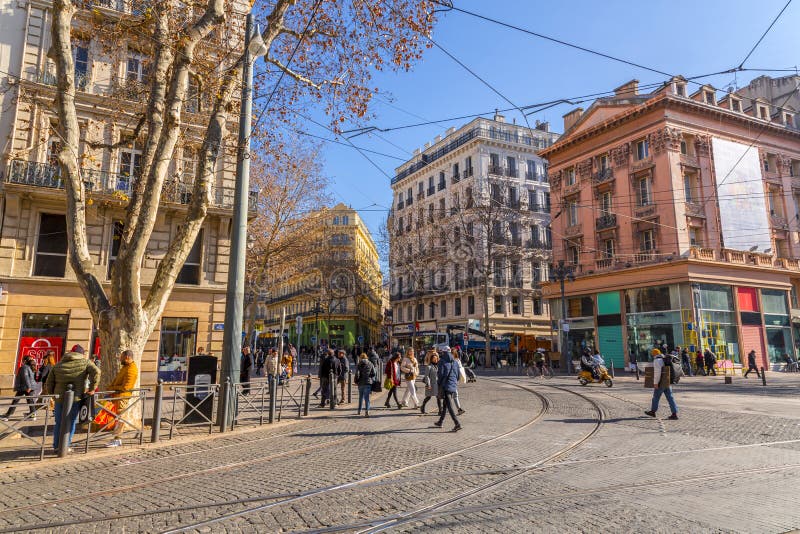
(585, 377)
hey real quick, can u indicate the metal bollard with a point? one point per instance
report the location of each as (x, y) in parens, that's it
(226, 402)
(763, 377)
(612, 369)
(155, 431)
(332, 390)
(636, 367)
(308, 395)
(273, 393)
(66, 408)
(349, 386)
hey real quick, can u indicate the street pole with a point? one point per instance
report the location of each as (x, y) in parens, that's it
(561, 273)
(234, 299)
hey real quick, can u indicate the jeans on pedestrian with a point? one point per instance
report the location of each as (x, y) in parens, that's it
(72, 422)
(342, 383)
(657, 396)
(752, 368)
(448, 408)
(363, 396)
(17, 398)
(438, 404)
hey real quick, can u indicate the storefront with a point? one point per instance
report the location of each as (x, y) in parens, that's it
(777, 324)
(178, 343)
(654, 318)
(41, 334)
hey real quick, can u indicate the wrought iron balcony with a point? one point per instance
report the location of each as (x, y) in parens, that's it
(603, 175)
(512, 172)
(605, 221)
(431, 190)
(45, 175)
(496, 169)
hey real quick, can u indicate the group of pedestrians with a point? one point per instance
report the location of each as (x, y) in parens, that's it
(441, 374)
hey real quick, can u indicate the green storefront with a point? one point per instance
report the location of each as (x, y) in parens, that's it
(609, 329)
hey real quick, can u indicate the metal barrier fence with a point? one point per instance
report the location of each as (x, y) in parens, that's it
(35, 406)
(164, 406)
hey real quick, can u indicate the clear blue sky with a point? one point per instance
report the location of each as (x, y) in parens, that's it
(680, 37)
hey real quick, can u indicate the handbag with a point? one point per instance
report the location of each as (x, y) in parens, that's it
(388, 383)
(376, 386)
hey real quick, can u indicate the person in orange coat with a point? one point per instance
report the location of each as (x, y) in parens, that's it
(122, 385)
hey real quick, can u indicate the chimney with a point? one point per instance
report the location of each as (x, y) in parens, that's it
(572, 117)
(498, 117)
(437, 139)
(627, 89)
(543, 126)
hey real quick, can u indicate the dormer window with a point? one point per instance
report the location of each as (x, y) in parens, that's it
(709, 97)
(680, 89)
(763, 113)
(736, 105)
(788, 120)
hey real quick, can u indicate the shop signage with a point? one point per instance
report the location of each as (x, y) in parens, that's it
(219, 327)
(39, 347)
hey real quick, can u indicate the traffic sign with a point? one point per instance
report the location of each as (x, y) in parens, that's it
(360, 340)
(313, 339)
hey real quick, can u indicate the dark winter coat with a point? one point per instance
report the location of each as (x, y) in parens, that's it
(365, 373)
(447, 374)
(25, 380)
(344, 366)
(751, 361)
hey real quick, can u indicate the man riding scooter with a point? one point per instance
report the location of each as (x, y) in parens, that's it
(593, 370)
(588, 363)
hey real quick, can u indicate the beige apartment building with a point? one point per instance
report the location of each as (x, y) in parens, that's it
(41, 306)
(678, 212)
(472, 204)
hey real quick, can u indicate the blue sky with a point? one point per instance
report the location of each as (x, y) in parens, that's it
(680, 37)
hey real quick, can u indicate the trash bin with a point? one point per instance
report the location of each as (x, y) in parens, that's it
(202, 372)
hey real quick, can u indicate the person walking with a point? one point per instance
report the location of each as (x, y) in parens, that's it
(122, 385)
(325, 368)
(661, 383)
(341, 377)
(75, 370)
(260, 359)
(711, 362)
(24, 385)
(447, 380)
(685, 362)
(271, 364)
(751, 364)
(366, 374)
(699, 362)
(375, 359)
(409, 368)
(431, 382)
(244, 370)
(392, 372)
(462, 379)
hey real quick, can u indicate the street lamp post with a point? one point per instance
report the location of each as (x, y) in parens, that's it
(316, 329)
(234, 300)
(562, 272)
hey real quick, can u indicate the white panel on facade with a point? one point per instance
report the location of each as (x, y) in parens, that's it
(742, 202)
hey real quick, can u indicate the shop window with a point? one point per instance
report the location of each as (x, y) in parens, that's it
(178, 342)
(649, 299)
(580, 307)
(774, 301)
(778, 342)
(716, 297)
(41, 334)
(190, 272)
(51, 246)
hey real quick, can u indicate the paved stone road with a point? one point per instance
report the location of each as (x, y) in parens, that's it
(532, 457)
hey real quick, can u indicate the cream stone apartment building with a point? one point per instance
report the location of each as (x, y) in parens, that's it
(41, 306)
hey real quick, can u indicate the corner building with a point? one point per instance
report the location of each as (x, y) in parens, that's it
(440, 232)
(41, 305)
(678, 215)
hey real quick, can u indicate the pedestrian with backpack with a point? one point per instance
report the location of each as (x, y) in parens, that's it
(664, 375)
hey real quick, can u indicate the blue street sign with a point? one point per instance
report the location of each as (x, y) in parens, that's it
(360, 339)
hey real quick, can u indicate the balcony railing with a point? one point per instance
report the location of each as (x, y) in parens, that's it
(512, 172)
(513, 203)
(605, 221)
(778, 221)
(496, 169)
(466, 173)
(603, 175)
(538, 208)
(539, 244)
(573, 230)
(431, 190)
(45, 175)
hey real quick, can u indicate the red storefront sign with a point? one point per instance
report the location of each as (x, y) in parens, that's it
(38, 347)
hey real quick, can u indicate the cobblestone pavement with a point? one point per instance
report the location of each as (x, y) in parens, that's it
(534, 456)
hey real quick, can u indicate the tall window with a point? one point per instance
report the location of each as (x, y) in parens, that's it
(515, 305)
(499, 272)
(531, 173)
(570, 176)
(572, 213)
(116, 241)
(190, 272)
(694, 237)
(648, 240)
(605, 203)
(80, 55)
(602, 162)
(643, 192)
(136, 69)
(498, 304)
(443, 309)
(511, 165)
(470, 305)
(457, 306)
(431, 310)
(537, 306)
(573, 255)
(130, 167)
(608, 248)
(688, 187)
(536, 268)
(51, 246)
(642, 149)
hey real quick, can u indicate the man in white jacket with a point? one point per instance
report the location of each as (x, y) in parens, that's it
(661, 384)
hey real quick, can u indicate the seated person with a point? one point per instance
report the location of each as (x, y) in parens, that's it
(588, 364)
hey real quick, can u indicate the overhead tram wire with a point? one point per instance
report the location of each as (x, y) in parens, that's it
(763, 35)
(335, 142)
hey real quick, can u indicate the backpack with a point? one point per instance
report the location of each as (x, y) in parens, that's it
(675, 368)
